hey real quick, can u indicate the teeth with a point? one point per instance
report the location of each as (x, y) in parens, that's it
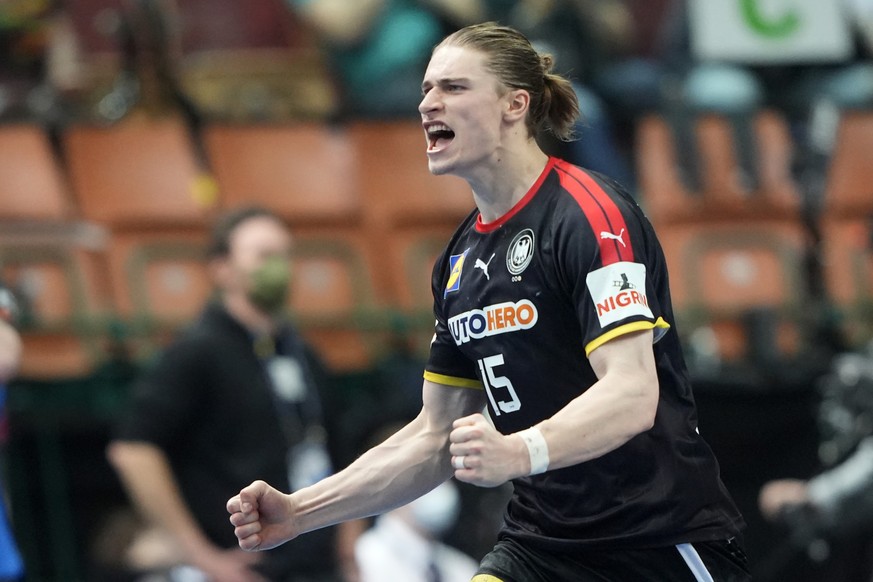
(437, 127)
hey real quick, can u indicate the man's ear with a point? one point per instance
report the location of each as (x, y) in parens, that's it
(517, 105)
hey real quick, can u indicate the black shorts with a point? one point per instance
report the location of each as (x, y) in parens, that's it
(716, 561)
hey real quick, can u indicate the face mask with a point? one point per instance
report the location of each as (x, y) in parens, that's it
(270, 283)
(437, 511)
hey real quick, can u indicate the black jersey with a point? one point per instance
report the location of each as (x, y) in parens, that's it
(519, 305)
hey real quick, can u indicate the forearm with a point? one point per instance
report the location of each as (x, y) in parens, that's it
(404, 467)
(854, 475)
(620, 405)
(148, 478)
(605, 417)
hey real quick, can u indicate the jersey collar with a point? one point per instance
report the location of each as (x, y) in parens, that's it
(494, 225)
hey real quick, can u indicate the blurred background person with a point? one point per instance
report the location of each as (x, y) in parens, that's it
(592, 42)
(239, 365)
(40, 68)
(378, 49)
(828, 518)
(11, 566)
(405, 544)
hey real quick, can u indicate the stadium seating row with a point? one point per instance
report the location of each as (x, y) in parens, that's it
(103, 237)
(110, 230)
(748, 254)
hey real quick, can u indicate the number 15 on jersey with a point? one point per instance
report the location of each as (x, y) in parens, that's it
(494, 382)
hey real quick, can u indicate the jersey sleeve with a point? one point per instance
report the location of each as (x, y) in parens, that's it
(604, 257)
(446, 364)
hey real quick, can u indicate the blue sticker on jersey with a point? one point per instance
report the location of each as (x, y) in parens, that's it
(456, 265)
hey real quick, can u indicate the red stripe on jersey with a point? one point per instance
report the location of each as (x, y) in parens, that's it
(601, 211)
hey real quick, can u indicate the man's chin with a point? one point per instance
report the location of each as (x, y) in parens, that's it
(438, 168)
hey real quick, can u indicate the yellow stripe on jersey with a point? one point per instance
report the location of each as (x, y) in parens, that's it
(623, 329)
(485, 578)
(452, 381)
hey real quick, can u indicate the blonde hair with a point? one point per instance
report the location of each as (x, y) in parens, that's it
(517, 65)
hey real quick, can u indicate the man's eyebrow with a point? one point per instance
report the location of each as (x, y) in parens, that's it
(445, 81)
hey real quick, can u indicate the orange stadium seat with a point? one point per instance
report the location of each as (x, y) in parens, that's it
(848, 270)
(725, 191)
(417, 250)
(414, 253)
(306, 172)
(849, 191)
(32, 183)
(140, 173)
(43, 258)
(159, 283)
(142, 180)
(165, 283)
(334, 299)
(408, 210)
(736, 245)
(397, 187)
(847, 227)
(59, 279)
(159, 277)
(724, 275)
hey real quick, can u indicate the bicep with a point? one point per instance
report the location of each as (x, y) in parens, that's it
(627, 356)
(443, 404)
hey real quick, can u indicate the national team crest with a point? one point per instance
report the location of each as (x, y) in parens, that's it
(456, 266)
(520, 252)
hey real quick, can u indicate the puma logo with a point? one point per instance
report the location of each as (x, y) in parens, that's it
(618, 237)
(484, 266)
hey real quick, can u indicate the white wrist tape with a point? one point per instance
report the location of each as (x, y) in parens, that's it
(537, 449)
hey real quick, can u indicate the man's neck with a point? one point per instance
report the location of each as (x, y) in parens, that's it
(510, 179)
(250, 317)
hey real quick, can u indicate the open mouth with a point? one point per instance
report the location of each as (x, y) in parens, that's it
(439, 136)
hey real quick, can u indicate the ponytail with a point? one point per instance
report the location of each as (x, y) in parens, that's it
(560, 105)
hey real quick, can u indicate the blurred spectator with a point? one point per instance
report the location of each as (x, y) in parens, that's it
(379, 48)
(404, 543)
(147, 35)
(239, 377)
(11, 566)
(39, 60)
(835, 506)
(222, 60)
(593, 42)
(599, 43)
